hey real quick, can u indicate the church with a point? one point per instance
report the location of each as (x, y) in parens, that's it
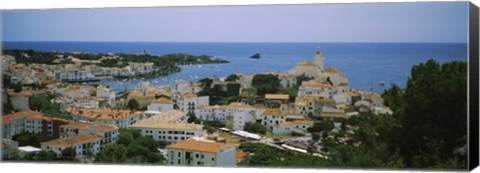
(316, 70)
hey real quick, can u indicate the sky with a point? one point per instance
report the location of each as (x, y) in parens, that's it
(361, 22)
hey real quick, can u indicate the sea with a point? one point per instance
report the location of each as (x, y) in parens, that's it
(365, 64)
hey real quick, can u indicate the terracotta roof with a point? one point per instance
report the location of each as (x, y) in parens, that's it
(163, 101)
(32, 115)
(189, 95)
(166, 116)
(305, 63)
(240, 155)
(302, 122)
(315, 84)
(166, 125)
(354, 93)
(102, 114)
(331, 70)
(277, 96)
(194, 145)
(273, 112)
(307, 99)
(27, 92)
(333, 115)
(85, 98)
(72, 140)
(327, 101)
(90, 126)
(239, 105)
(212, 107)
(167, 120)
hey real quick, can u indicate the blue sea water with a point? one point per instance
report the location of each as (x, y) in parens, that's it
(365, 64)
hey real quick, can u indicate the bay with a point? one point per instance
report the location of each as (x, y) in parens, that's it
(365, 64)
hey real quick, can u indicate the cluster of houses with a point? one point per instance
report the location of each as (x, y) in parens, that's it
(83, 137)
(78, 70)
(97, 111)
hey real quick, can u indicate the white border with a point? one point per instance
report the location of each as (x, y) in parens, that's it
(49, 4)
(74, 168)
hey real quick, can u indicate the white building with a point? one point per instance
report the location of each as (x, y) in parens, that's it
(13, 124)
(86, 102)
(310, 105)
(190, 102)
(168, 126)
(306, 68)
(212, 113)
(141, 68)
(288, 127)
(160, 104)
(314, 88)
(106, 93)
(108, 133)
(81, 145)
(335, 76)
(73, 75)
(241, 118)
(200, 153)
(342, 98)
(272, 117)
(245, 81)
(8, 148)
(119, 118)
(287, 80)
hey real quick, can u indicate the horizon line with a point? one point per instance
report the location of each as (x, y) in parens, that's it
(237, 41)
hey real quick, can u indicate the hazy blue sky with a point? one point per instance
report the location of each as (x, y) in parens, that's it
(370, 22)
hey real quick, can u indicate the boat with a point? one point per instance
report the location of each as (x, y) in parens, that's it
(382, 83)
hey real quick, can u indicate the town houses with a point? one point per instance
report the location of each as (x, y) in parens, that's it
(94, 115)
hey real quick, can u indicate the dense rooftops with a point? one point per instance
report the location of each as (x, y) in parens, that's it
(72, 140)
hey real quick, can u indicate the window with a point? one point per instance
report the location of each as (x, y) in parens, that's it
(179, 155)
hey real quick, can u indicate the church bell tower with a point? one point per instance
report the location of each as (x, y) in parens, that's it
(318, 58)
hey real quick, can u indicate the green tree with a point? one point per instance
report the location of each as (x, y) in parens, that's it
(302, 78)
(133, 104)
(113, 153)
(431, 112)
(266, 83)
(17, 88)
(315, 137)
(232, 78)
(132, 147)
(7, 106)
(323, 126)
(38, 102)
(206, 82)
(255, 127)
(45, 156)
(292, 93)
(69, 153)
(265, 156)
(392, 97)
(125, 138)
